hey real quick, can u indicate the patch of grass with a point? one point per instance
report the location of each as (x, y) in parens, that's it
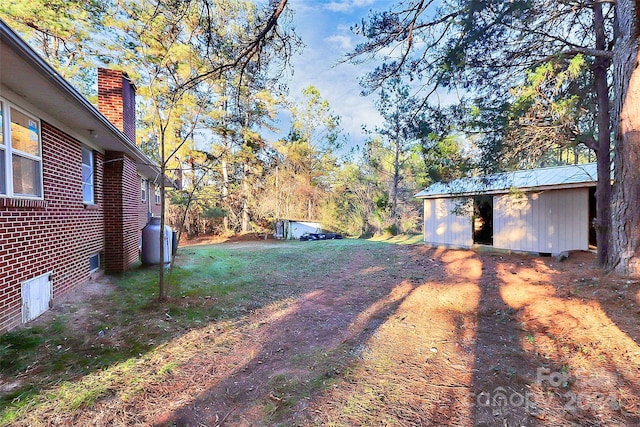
(58, 325)
(167, 368)
(74, 398)
(18, 347)
(19, 399)
(400, 239)
(103, 357)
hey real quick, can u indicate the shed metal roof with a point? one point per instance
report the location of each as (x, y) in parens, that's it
(571, 176)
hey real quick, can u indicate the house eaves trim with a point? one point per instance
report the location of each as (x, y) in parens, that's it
(9, 37)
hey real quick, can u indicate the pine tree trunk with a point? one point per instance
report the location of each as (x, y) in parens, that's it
(603, 188)
(225, 193)
(395, 185)
(245, 200)
(624, 258)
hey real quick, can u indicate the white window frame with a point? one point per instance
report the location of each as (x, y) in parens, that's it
(143, 189)
(158, 195)
(7, 151)
(91, 184)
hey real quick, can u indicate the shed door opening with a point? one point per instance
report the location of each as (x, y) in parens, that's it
(483, 220)
(592, 216)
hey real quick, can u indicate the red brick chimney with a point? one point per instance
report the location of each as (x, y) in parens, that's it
(117, 100)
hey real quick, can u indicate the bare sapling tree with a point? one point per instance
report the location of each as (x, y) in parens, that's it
(183, 47)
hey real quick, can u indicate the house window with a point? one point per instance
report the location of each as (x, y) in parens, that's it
(20, 153)
(87, 176)
(157, 195)
(3, 151)
(143, 190)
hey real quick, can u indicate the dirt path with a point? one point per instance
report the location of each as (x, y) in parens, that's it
(405, 335)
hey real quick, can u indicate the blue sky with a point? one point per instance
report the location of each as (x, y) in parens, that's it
(324, 26)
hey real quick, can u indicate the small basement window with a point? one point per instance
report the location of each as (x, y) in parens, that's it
(94, 263)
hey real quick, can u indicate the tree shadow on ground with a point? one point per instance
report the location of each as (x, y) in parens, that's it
(499, 345)
(617, 297)
(584, 374)
(94, 353)
(306, 347)
(502, 369)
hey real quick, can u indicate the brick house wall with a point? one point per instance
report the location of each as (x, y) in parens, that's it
(50, 245)
(59, 234)
(56, 235)
(54, 243)
(125, 214)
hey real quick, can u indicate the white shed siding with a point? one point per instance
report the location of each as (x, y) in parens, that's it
(551, 221)
(442, 226)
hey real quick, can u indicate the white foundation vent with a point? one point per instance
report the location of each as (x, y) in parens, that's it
(36, 297)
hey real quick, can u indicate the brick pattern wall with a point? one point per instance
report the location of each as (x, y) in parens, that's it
(116, 100)
(113, 193)
(56, 235)
(125, 213)
(128, 109)
(110, 96)
(59, 234)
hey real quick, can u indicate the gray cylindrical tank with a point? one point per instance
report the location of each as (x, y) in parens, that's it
(151, 242)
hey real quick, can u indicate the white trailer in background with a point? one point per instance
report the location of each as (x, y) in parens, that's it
(290, 229)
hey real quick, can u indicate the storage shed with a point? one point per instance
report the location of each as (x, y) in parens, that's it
(546, 211)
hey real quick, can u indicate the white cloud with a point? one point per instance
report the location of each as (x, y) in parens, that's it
(338, 6)
(347, 5)
(344, 42)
